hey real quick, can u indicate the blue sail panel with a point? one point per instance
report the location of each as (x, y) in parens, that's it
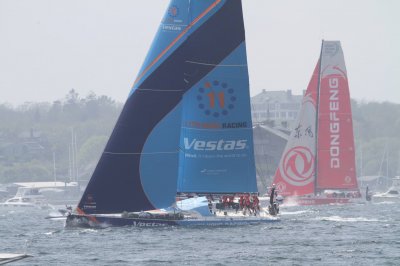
(180, 20)
(159, 160)
(216, 136)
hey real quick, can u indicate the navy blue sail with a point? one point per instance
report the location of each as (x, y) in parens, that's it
(139, 167)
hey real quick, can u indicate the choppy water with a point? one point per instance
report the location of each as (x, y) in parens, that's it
(362, 234)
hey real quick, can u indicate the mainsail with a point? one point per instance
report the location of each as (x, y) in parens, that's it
(138, 169)
(320, 152)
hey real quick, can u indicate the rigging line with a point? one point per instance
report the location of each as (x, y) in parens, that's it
(139, 89)
(316, 169)
(140, 153)
(216, 129)
(217, 65)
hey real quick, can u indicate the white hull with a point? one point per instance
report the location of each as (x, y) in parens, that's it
(392, 195)
(18, 202)
(385, 198)
(26, 206)
(8, 257)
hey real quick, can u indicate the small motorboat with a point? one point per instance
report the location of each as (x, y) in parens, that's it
(27, 197)
(392, 195)
(9, 257)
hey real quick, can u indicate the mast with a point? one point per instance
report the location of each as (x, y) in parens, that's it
(316, 120)
(70, 163)
(54, 167)
(75, 157)
(72, 155)
(361, 160)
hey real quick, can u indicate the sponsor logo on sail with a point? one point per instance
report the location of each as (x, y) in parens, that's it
(172, 22)
(234, 125)
(89, 202)
(298, 166)
(334, 122)
(214, 145)
(169, 27)
(213, 125)
(173, 11)
(331, 48)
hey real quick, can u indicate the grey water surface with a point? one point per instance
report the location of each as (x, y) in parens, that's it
(357, 234)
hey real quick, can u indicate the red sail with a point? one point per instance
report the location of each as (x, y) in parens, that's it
(336, 154)
(296, 171)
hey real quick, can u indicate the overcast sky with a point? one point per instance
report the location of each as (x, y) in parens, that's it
(48, 47)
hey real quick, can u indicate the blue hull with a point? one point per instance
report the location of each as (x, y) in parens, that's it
(74, 220)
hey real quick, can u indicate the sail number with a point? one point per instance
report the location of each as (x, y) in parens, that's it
(216, 98)
(220, 98)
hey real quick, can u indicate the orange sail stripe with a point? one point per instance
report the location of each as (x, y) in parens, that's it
(91, 218)
(177, 39)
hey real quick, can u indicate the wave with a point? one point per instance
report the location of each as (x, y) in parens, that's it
(88, 231)
(384, 202)
(348, 219)
(296, 212)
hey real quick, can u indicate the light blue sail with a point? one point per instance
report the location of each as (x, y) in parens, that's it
(216, 137)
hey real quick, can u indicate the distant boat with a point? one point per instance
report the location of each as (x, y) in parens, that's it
(43, 194)
(9, 257)
(318, 163)
(392, 195)
(27, 197)
(185, 131)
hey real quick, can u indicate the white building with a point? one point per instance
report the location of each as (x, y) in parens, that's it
(281, 107)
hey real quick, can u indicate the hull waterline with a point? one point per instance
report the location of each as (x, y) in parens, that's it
(309, 201)
(76, 220)
(379, 198)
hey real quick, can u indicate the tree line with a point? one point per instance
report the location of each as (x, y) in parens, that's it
(35, 137)
(32, 133)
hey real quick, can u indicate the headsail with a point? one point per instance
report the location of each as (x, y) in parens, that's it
(295, 174)
(139, 167)
(216, 135)
(336, 154)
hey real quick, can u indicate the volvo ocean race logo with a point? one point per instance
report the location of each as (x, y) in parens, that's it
(331, 48)
(216, 98)
(214, 145)
(173, 11)
(172, 22)
(298, 166)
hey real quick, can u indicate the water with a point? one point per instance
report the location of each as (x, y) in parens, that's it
(359, 234)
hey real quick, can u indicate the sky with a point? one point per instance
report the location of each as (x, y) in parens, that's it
(48, 47)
